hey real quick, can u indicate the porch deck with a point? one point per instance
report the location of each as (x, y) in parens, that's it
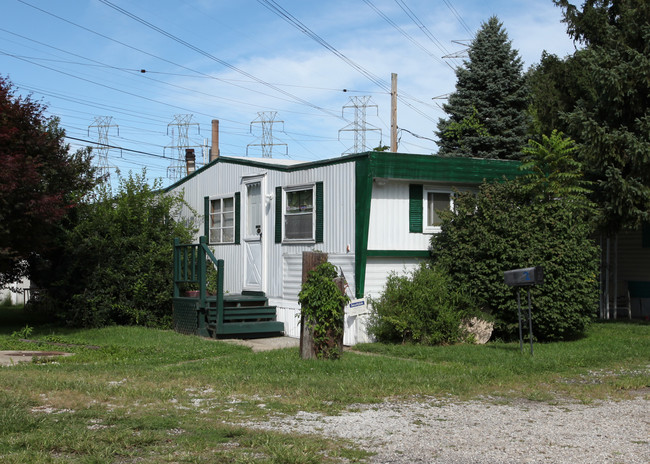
(221, 315)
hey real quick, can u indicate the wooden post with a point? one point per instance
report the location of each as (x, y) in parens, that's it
(310, 261)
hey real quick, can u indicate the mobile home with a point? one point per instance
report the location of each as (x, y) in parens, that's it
(372, 213)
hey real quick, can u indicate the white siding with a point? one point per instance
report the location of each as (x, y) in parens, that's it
(389, 219)
(378, 269)
(389, 215)
(292, 273)
(338, 219)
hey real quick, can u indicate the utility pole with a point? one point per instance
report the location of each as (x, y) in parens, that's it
(182, 122)
(359, 126)
(393, 112)
(267, 119)
(103, 125)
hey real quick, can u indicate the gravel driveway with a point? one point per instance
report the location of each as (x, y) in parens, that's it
(435, 431)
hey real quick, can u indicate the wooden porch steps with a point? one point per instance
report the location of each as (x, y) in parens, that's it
(243, 314)
(224, 314)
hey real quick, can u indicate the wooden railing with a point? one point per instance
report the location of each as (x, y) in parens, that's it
(190, 267)
(205, 314)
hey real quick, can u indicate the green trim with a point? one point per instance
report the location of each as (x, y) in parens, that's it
(319, 212)
(393, 166)
(398, 253)
(278, 215)
(237, 218)
(363, 196)
(415, 208)
(430, 168)
(206, 217)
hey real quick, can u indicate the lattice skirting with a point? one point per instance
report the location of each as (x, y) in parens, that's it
(185, 315)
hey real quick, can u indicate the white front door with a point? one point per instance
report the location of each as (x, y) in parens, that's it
(253, 224)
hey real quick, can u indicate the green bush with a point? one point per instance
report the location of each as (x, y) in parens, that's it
(321, 306)
(423, 306)
(116, 267)
(541, 219)
(499, 229)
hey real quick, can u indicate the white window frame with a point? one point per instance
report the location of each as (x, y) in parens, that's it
(221, 198)
(426, 228)
(285, 194)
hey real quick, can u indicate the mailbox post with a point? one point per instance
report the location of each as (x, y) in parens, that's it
(525, 277)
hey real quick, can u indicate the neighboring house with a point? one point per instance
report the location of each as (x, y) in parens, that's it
(628, 264)
(372, 213)
(18, 297)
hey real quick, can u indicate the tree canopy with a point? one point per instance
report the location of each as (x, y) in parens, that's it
(116, 264)
(600, 96)
(487, 112)
(40, 181)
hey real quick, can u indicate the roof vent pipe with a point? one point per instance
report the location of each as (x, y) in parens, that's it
(190, 160)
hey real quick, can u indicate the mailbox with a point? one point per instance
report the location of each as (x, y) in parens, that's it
(525, 276)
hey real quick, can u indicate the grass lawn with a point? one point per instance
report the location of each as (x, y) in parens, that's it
(133, 394)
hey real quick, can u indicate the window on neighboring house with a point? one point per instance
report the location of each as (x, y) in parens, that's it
(436, 201)
(299, 214)
(222, 220)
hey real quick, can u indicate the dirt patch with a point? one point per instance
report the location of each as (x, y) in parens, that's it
(10, 358)
(35, 353)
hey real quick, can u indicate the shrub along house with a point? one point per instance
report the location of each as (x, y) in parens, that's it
(372, 213)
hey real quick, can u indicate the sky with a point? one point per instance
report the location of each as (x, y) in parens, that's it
(309, 66)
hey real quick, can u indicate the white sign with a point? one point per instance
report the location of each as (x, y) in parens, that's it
(357, 307)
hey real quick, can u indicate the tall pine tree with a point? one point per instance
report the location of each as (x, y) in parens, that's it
(610, 114)
(487, 112)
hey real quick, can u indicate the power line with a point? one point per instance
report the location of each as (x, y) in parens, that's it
(416, 135)
(139, 152)
(418, 22)
(288, 17)
(212, 57)
(403, 32)
(331, 113)
(458, 17)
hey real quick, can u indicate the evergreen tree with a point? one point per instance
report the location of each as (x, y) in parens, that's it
(487, 112)
(610, 117)
(553, 84)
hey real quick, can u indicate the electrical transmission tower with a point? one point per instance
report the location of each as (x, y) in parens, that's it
(359, 126)
(103, 125)
(466, 44)
(180, 142)
(267, 119)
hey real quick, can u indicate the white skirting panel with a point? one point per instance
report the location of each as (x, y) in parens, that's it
(354, 328)
(290, 315)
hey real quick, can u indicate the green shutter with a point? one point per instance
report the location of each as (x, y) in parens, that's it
(206, 217)
(237, 217)
(319, 212)
(415, 208)
(278, 215)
